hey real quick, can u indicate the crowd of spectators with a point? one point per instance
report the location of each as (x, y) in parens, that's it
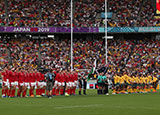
(3, 54)
(2, 13)
(131, 55)
(86, 13)
(55, 53)
(23, 13)
(145, 57)
(55, 13)
(126, 12)
(23, 53)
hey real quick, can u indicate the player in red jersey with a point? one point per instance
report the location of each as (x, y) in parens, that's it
(43, 84)
(75, 82)
(62, 84)
(12, 81)
(20, 83)
(38, 83)
(33, 83)
(4, 83)
(69, 83)
(26, 83)
(66, 76)
(55, 84)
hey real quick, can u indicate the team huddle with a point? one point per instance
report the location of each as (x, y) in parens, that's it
(126, 83)
(21, 83)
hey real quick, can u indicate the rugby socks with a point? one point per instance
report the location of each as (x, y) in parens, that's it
(13, 93)
(53, 91)
(79, 92)
(61, 91)
(57, 91)
(3, 92)
(84, 92)
(19, 93)
(24, 93)
(43, 91)
(30, 92)
(99, 91)
(74, 90)
(37, 92)
(71, 91)
(68, 91)
(8, 92)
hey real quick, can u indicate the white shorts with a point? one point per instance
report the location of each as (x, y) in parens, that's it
(21, 84)
(16, 83)
(61, 83)
(39, 84)
(71, 84)
(12, 83)
(4, 83)
(33, 84)
(55, 83)
(44, 84)
(26, 84)
(76, 82)
(67, 84)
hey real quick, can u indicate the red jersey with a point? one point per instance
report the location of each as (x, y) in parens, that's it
(41, 76)
(66, 77)
(56, 78)
(20, 74)
(4, 76)
(75, 76)
(62, 77)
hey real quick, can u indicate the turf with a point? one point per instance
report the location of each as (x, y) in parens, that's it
(92, 104)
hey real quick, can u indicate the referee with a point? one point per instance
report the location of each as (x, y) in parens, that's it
(82, 79)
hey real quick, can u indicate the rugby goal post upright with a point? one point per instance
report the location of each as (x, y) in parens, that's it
(106, 32)
(71, 36)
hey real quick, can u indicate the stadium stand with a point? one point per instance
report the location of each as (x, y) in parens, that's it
(123, 54)
(33, 13)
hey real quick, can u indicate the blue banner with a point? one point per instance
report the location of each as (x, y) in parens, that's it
(149, 29)
(118, 29)
(109, 15)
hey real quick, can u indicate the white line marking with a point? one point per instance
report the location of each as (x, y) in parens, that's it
(78, 106)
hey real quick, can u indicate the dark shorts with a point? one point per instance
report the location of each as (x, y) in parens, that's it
(100, 84)
(80, 83)
(49, 86)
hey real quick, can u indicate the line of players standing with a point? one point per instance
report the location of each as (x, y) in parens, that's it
(64, 83)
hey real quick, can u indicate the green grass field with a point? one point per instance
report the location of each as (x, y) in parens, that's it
(92, 104)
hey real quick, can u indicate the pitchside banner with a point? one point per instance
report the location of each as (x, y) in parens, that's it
(49, 29)
(79, 30)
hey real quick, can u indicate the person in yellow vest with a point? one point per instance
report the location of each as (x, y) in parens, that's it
(129, 83)
(149, 78)
(121, 80)
(137, 83)
(141, 83)
(155, 83)
(114, 84)
(117, 84)
(126, 82)
(134, 84)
